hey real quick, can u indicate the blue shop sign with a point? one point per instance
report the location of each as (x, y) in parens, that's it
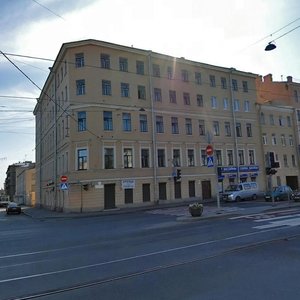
(241, 169)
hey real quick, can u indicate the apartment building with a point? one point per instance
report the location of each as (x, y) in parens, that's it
(119, 126)
(279, 113)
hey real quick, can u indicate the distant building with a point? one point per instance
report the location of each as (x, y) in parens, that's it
(25, 185)
(18, 190)
(120, 123)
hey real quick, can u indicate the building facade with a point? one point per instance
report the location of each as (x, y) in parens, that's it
(279, 116)
(118, 126)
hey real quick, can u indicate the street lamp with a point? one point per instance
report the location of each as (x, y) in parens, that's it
(270, 46)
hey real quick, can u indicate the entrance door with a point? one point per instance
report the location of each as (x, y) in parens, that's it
(206, 189)
(109, 196)
(146, 192)
(162, 187)
(177, 190)
(192, 191)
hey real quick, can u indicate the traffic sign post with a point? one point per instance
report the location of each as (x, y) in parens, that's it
(209, 150)
(63, 178)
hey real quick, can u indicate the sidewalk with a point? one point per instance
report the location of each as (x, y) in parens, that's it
(180, 210)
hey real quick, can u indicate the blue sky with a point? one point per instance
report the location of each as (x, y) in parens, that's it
(230, 33)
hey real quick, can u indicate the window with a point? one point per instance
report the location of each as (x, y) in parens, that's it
(191, 158)
(176, 158)
(203, 157)
(245, 86)
(81, 159)
(140, 67)
(272, 120)
(123, 64)
(241, 157)
(184, 75)
(274, 140)
(234, 85)
(293, 161)
(156, 70)
(223, 83)
(81, 120)
(238, 128)
(216, 128)
(201, 127)
(186, 99)
(79, 60)
(157, 94)
(296, 96)
(80, 87)
(170, 72)
(289, 122)
(251, 157)
(291, 140)
(298, 115)
(172, 95)
(159, 124)
(174, 125)
(230, 157)
(126, 119)
(246, 106)
(264, 139)
(198, 78)
(188, 126)
(262, 118)
(106, 87)
(141, 92)
(285, 160)
(225, 103)
(236, 104)
(249, 129)
(105, 61)
(145, 158)
(143, 123)
(128, 158)
(125, 90)
(281, 121)
(214, 103)
(227, 129)
(219, 157)
(161, 158)
(108, 158)
(283, 140)
(107, 120)
(212, 80)
(200, 100)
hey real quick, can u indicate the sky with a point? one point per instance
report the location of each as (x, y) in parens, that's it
(232, 33)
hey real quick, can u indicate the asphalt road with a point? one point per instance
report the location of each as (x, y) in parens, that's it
(148, 255)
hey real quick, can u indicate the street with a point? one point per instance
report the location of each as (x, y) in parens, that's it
(151, 255)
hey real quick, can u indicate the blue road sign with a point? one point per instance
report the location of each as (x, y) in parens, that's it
(64, 186)
(210, 161)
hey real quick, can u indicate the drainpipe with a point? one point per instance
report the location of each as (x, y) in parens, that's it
(154, 147)
(234, 127)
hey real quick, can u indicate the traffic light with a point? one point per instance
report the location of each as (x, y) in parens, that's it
(271, 171)
(85, 187)
(178, 177)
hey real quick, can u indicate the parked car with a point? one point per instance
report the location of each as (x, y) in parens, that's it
(281, 192)
(3, 203)
(13, 207)
(237, 192)
(296, 196)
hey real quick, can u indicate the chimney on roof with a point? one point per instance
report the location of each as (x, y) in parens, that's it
(289, 79)
(268, 78)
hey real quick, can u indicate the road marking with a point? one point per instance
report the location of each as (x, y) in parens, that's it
(277, 218)
(130, 258)
(288, 222)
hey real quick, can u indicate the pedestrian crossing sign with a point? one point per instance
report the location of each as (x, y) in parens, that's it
(64, 186)
(210, 161)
